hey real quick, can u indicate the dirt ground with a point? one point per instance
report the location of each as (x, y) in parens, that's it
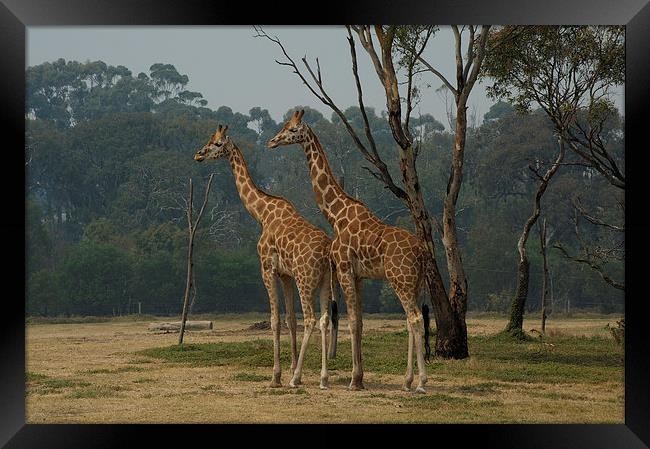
(92, 373)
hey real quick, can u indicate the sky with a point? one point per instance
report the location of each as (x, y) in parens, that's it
(231, 67)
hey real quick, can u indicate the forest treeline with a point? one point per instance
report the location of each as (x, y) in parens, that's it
(109, 155)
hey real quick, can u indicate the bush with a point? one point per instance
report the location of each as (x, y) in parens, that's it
(618, 331)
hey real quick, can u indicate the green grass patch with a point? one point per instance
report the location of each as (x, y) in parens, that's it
(515, 334)
(97, 391)
(249, 353)
(42, 384)
(122, 369)
(558, 395)
(144, 380)
(249, 377)
(140, 361)
(434, 401)
(34, 377)
(378, 395)
(490, 403)
(480, 388)
(495, 358)
(342, 380)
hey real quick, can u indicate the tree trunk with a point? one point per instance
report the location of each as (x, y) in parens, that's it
(457, 279)
(451, 331)
(515, 324)
(545, 277)
(519, 302)
(188, 280)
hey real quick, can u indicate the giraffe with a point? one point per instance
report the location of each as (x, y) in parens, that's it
(364, 247)
(289, 247)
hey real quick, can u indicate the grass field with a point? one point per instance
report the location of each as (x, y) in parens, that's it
(118, 372)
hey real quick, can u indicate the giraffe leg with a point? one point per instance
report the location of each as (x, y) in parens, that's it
(268, 276)
(325, 300)
(348, 285)
(416, 335)
(417, 327)
(408, 378)
(287, 290)
(306, 299)
(359, 333)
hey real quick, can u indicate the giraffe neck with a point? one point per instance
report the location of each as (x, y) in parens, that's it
(251, 196)
(330, 197)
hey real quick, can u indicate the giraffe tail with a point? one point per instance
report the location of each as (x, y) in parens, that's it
(335, 313)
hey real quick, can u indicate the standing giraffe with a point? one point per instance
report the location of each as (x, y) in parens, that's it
(364, 247)
(289, 247)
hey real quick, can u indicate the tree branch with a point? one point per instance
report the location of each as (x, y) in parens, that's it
(594, 220)
(593, 266)
(371, 156)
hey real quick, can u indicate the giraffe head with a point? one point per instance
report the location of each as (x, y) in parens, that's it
(294, 131)
(218, 146)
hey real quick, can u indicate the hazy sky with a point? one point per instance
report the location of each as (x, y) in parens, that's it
(231, 67)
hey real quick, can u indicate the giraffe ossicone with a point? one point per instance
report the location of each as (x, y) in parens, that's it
(289, 248)
(364, 248)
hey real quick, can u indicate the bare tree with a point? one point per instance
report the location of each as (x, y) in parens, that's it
(515, 323)
(191, 226)
(597, 256)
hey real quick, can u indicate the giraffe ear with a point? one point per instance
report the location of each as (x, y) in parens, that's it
(225, 129)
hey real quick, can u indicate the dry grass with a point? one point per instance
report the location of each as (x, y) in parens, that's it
(105, 372)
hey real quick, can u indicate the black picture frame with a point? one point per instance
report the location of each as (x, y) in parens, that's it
(16, 15)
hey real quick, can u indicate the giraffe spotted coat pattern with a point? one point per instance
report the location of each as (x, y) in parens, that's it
(289, 248)
(364, 247)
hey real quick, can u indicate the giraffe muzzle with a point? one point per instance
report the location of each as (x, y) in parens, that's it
(198, 157)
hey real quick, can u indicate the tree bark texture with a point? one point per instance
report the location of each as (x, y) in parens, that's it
(517, 311)
(545, 276)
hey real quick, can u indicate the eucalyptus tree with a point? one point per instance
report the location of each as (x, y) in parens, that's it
(570, 73)
(391, 48)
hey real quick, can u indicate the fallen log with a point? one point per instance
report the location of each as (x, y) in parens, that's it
(176, 326)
